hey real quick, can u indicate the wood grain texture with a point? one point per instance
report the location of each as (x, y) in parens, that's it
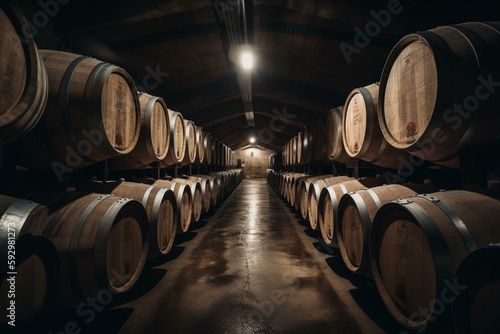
(416, 247)
(177, 143)
(433, 97)
(23, 99)
(335, 150)
(184, 201)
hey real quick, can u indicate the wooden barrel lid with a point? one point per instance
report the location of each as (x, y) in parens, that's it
(410, 95)
(358, 120)
(119, 114)
(190, 135)
(333, 135)
(155, 121)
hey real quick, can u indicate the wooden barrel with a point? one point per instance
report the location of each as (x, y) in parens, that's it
(294, 151)
(154, 138)
(294, 181)
(308, 144)
(328, 205)
(184, 201)
(333, 136)
(416, 246)
(215, 150)
(302, 202)
(177, 143)
(92, 113)
(299, 149)
(361, 132)
(102, 242)
(160, 205)
(200, 146)
(196, 195)
(23, 99)
(476, 309)
(21, 221)
(320, 139)
(435, 98)
(355, 213)
(206, 191)
(314, 193)
(207, 145)
(190, 136)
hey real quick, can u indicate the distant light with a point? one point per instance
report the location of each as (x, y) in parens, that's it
(247, 60)
(252, 140)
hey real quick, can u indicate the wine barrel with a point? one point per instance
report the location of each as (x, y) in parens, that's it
(177, 143)
(184, 201)
(190, 136)
(314, 193)
(92, 114)
(308, 144)
(476, 309)
(361, 132)
(294, 151)
(207, 144)
(154, 137)
(303, 192)
(160, 205)
(206, 191)
(196, 195)
(356, 211)
(102, 242)
(335, 150)
(435, 98)
(200, 146)
(320, 139)
(292, 191)
(24, 98)
(21, 223)
(328, 205)
(215, 152)
(416, 246)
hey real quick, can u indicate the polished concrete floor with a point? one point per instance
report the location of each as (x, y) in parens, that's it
(251, 266)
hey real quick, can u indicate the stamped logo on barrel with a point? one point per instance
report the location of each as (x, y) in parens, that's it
(411, 129)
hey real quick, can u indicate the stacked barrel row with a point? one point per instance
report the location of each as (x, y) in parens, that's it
(436, 98)
(66, 246)
(411, 239)
(63, 111)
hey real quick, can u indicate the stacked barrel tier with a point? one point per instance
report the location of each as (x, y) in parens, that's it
(184, 201)
(101, 241)
(303, 192)
(361, 133)
(25, 96)
(92, 114)
(160, 205)
(475, 309)
(437, 91)
(29, 261)
(416, 246)
(154, 138)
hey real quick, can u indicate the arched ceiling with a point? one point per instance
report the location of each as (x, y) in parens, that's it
(181, 51)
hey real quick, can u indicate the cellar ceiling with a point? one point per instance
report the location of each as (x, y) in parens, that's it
(308, 54)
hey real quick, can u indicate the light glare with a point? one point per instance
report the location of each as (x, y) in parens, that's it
(247, 60)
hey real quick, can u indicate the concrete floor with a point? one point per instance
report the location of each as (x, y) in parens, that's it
(251, 266)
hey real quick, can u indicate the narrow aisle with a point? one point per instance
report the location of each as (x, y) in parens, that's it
(251, 269)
